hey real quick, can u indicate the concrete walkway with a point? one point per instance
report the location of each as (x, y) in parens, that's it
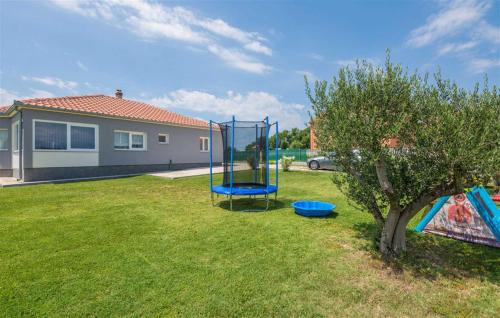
(186, 173)
(6, 181)
(176, 174)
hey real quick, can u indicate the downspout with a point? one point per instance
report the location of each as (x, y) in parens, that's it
(21, 145)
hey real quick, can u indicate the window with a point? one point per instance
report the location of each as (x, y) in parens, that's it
(137, 141)
(126, 140)
(121, 140)
(82, 137)
(49, 135)
(204, 144)
(4, 136)
(163, 138)
(15, 137)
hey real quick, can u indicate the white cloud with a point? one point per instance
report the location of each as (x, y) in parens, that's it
(152, 20)
(7, 97)
(481, 65)
(251, 41)
(39, 93)
(250, 106)
(451, 48)
(52, 81)
(239, 60)
(82, 66)
(453, 17)
(488, 32)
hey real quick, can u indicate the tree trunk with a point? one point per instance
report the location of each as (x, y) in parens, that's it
(393, 236)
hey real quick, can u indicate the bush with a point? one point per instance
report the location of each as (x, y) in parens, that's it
(286, 162)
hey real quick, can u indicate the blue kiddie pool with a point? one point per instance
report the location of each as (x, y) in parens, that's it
(313, 208)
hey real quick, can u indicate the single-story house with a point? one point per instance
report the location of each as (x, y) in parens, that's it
(97, 135)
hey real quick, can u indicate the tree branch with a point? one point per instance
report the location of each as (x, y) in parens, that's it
(375, 211)
(386, 185)
(373, 206)
(427, 197)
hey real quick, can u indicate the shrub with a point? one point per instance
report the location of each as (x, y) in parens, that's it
(286, 162)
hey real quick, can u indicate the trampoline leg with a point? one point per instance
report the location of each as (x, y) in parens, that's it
(231, 202)
(212, 196)
(267, 202)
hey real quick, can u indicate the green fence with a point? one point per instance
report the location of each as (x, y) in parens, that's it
(299, 154)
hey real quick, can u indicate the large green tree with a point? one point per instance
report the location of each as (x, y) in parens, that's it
(446, 138)
(292, 139)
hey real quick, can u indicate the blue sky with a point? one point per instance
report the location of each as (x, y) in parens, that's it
(214, 59)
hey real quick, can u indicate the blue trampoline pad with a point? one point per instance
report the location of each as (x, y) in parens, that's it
(244, 189)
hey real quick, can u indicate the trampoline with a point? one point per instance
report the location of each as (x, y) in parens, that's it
(244, 152)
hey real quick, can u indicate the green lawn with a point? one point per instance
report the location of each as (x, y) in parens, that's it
(147, 246)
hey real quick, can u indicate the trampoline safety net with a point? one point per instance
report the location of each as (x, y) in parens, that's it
(249, 155)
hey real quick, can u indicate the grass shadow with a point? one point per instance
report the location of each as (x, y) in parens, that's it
(252, 205)
(333, 215)
(431, 256)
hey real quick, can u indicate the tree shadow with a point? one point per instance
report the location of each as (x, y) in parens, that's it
(430, 256)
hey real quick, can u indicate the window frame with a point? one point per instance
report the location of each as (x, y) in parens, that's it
(167, 138)
(203, 144)
(68, 136)
(7, 143)
(130, 133)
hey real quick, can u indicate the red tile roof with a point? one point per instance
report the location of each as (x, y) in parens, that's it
(3, 109)
(391, 142)
(115, 107)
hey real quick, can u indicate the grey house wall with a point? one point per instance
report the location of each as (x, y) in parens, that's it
(6, 155)
(182, 151)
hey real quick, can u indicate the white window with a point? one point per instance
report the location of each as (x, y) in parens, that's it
(122, 140)
(128, 140)
(204, 144)
(163, 139)
(4, 136)
(51, 135)
(15, 136)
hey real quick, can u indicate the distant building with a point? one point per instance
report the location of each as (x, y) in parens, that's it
(312, 136)
(391, 142)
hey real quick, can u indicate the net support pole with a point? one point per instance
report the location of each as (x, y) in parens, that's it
(232, 157)
(277, 151)
(257, 161)
(210, 149)
(267, 152)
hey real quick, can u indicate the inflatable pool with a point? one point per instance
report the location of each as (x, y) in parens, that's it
(313, 208)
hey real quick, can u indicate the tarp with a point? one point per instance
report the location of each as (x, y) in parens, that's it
(471, 217)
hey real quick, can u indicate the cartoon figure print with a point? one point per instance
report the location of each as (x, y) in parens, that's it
(459, 212)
